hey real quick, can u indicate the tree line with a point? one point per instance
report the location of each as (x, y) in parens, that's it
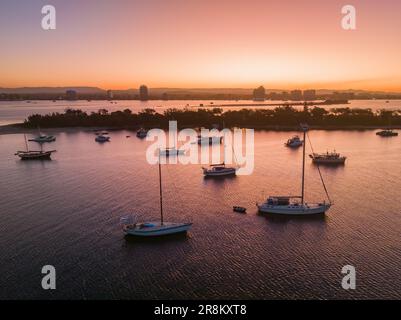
(205, 117)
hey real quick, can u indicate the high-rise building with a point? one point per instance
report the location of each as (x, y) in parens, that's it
(71, 95)
(296, 95)
(110, 94)
(309, 95)
(143, 93)
(259, 94)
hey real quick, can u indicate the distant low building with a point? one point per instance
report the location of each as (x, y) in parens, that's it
(296, 95)
(259, 94)
(309, 95)
(71, 95)
(143, 93)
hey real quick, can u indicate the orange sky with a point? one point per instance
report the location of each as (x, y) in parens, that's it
(175, 43)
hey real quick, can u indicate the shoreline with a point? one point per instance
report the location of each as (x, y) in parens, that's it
(19, 129)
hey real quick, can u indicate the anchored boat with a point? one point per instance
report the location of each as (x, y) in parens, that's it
(34, 155)
(296, 205)
(154, 228)
(387, 133)
(331, 158)
(102, 138)
(41, 138)
(142, 133)
(294, 142)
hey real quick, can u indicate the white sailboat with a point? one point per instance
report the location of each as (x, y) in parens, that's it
(221, 169)
(154, 228)
(290, 205)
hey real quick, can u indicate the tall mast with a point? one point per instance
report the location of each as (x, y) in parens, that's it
(303, 165)
(26, 143)
(161, 193)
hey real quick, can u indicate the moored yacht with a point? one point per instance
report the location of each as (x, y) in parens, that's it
(294, 142)
(34, 155)
(327, 158)
(296, 205)
(154, 228)
(142, 133)
(387, 133)
(218, 170)
(102, 138)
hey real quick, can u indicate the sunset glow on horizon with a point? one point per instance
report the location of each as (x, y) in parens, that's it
(173, 43)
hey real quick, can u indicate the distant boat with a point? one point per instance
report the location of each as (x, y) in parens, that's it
(327, 158)
(219, 170)
(142, 133)
(290, 205)
(34, 155)
(154, 228)
(294, 142)
(171, 152)
(387, 133)
(209, 140)
(239, 209)
(41, 138)
(102, 138)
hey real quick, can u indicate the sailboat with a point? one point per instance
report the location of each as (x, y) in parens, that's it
(41, 138)
(154, 228)
(219, 170)
(290, 205)
(34, 155)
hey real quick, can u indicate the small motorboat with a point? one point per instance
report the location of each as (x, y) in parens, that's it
(387, 133)
(239, 209)
(142, 133)
(294, 142)
(330, 158)
(102, 138)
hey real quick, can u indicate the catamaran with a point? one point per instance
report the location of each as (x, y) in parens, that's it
(34, 155)
(296, 205)
(154, 228)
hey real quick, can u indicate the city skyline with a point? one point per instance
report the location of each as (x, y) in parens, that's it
(202, 44)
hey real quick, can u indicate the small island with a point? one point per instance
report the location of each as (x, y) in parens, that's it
(279, 118)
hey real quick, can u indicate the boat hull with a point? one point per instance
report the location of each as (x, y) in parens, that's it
(329, 162)
(35, 156)
(220, 173)
(157, 229)
(294, 210)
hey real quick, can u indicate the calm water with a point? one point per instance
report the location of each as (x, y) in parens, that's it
(18, 111)
(65, 212)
